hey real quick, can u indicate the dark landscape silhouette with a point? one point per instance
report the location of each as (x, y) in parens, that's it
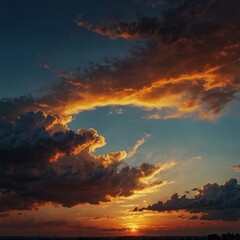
(225, 236)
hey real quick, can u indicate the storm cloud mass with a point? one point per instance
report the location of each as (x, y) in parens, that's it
(43, 161)
(215, 202)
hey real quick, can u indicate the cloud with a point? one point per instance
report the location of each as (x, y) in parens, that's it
(36, 138)
(236, 168)
(118, 111)
(58, 227)
(31, 223)
(194, 217)
(11, 108)
(145, 27)
(140, 142)
(187, 66)
(175, 20)
(215, 202)
(44, 161)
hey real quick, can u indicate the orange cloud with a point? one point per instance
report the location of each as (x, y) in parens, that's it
(187, 68)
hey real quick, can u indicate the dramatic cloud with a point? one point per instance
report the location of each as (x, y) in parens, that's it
(188, 66)
(215, 202)
(41, 160)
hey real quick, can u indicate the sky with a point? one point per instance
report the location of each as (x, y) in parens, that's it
(119, 117)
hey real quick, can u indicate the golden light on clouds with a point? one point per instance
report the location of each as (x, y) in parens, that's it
(189, 94)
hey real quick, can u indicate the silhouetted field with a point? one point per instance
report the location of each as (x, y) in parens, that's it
(227, 236)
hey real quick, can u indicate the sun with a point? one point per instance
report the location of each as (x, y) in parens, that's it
(133, 229)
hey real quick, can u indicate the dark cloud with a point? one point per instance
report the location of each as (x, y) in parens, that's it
(177, 19)
(145, 27)
(194, 217)
(180, 216)
(225, 215)
(31, 223)
(33, 226)
(41, 160)
(12, 108)
(216, 202)
(196, 39)
(188, 66)
(33, 140)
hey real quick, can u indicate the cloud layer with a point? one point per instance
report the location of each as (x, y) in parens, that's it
(43, 161)
(188, 66)
(215, 202)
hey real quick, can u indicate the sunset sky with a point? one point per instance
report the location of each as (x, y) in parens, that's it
(119, 117)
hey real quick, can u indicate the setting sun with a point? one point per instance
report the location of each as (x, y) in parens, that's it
(133, 229)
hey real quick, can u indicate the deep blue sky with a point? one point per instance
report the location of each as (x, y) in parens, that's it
(32, 31)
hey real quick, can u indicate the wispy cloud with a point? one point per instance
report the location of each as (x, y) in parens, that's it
(116, 111)
(139, 143)
(236, 168)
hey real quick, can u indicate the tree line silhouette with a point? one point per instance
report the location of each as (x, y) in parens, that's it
(226, 236)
